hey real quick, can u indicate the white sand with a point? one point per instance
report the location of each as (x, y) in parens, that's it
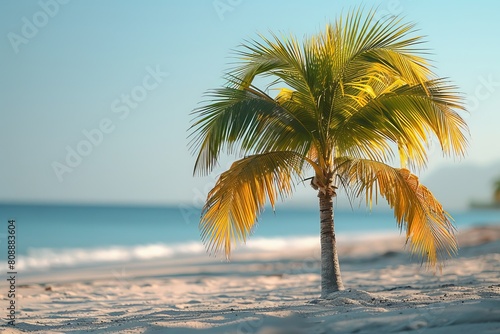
(273, 293)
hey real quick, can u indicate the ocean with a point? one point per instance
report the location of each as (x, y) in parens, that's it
(68, 236)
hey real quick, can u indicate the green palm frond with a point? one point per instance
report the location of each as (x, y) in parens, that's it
(367, 45)
(239, 196)
(428, 227)
(283, 59)
(250, 119)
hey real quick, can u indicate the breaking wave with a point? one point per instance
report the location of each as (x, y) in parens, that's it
(47, 258)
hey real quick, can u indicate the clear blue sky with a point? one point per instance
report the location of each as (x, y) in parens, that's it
(74, 66)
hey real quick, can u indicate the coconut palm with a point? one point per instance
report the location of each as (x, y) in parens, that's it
(351, 100)
(496, 192)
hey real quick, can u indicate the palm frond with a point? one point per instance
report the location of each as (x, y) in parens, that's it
(239, 196)
(408, 116)
(282, 59)
(250, 120)
(428, 227)
(387, 45)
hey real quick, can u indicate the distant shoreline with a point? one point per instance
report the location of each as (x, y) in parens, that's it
(484, 206)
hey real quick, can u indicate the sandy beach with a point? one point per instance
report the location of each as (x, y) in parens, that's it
(272, 292)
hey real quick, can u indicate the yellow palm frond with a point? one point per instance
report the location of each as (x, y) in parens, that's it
(409, 116)
(240, 194)
(428, 227)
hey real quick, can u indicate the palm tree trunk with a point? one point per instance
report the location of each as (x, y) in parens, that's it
(331, 280)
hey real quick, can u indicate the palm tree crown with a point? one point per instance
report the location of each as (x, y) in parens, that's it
(351, 99)
(496, 192)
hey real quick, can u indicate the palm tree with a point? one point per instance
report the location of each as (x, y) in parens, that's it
(352, 98)
(496, 192)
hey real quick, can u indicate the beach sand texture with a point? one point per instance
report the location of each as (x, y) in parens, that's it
(274, 292)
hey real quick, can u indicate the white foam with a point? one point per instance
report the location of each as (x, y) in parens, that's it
(47, 258)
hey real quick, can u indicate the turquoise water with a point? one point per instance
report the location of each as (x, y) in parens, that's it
(57, 236)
